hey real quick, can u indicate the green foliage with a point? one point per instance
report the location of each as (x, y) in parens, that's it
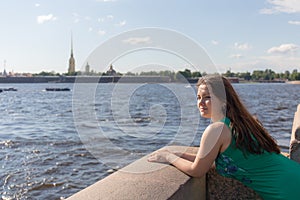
(295, 75)
(196, 74)
(256, 75)
(43, 73)
(186, 73)
(130, 74)
(267, 74)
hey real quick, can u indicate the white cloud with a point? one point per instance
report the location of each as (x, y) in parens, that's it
(285, 6)
(101, 20)
(44, 18)
(267, 11)
(101, 32)
(110, 17)
(76, 17)
(283, 49)
(37, 5)
(105, 0)
(88, 18)
(214, 42)
(138, 40)
(294, 22)
(236, 56)
(244, 46)
(278, 63)
(121, 23)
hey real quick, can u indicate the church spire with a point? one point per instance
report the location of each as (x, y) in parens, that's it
(4, 71)
(71, 70)
(71, 44)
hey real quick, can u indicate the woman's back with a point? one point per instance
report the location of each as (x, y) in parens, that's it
(271, 175)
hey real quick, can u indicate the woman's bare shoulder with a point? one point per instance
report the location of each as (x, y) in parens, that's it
(216, 126)
(218, 129)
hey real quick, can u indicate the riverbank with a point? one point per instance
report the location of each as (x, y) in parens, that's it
(120, 79)
(293, 82)
(86, 79)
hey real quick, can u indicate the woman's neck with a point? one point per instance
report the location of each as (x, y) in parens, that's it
(218, 117)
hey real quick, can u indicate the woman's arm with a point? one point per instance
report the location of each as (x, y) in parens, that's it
(186, 156)
(211, 142)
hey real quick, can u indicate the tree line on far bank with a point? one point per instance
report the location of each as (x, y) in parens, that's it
(267, 74)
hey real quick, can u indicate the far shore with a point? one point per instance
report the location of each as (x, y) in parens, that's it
(123, 79)
(293, 82)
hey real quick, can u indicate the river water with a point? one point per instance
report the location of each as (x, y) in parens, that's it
(53, 144)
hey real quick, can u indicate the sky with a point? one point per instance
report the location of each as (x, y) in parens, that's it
(237, 35)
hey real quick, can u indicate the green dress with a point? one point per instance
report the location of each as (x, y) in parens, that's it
(271, 175)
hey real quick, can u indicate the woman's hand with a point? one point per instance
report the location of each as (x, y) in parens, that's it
(160, 156)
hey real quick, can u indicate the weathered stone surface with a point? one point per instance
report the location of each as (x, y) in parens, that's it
(219, 187)
(295, 137)
(144, 180)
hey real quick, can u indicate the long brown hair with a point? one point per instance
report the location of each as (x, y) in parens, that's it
(248, 132)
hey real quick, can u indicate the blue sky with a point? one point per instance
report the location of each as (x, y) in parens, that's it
(241, 35)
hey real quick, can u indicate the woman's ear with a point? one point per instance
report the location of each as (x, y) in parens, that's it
(224, 108)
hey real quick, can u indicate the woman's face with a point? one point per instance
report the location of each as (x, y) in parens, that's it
(208, 104)
(204, 101)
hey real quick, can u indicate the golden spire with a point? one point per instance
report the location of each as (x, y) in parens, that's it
(71, 69)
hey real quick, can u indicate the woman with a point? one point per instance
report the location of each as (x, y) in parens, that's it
(238, 144)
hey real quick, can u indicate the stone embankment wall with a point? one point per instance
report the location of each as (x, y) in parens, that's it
(295, 137)
(143, 180)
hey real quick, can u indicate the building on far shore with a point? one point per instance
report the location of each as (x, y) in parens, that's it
(71, 69)
(111, 71)
(4, 72)
(87, 69)
(233, 79)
